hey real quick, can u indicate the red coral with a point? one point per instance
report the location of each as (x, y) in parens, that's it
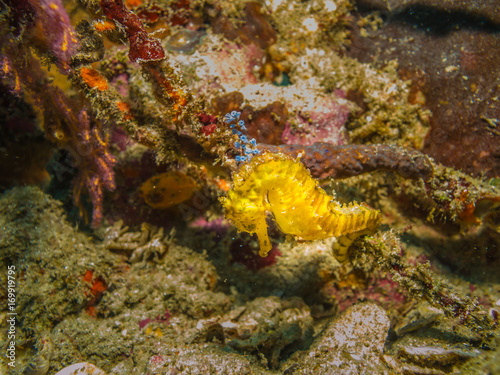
(95, 166)
(209, 123)
(150, 14)
(181, 16)
(207, 119)
(208, 129)
(68, 125)
(97, 287)
(142, 47)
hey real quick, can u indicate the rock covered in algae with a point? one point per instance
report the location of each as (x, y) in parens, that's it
(421, 316)
(351, 344)
(272, 327)
(50, 258)
(203, 359)
(77, 301)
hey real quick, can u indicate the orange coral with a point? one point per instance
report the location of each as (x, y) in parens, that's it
(125, 109)
(97, 287)
(223, 184)
(468, 214)
(177, 98)
(133, 3)
(94, 79)
(102, 26)
(88, 276)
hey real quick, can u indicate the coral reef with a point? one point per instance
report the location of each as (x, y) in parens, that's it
(162, 119)
(454, 196)
(454, 75)
(419, 281)
(63, 120)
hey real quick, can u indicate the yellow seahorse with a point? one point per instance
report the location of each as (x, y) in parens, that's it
(281, 185)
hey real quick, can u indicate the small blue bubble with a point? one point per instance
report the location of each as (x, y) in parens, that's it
(253, 142)
(244, 138)
(241, 123)
(239, 133)
(237, 144)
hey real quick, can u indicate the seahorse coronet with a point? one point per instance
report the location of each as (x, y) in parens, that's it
(277, 183)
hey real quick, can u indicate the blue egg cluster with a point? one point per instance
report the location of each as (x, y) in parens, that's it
(249, 147)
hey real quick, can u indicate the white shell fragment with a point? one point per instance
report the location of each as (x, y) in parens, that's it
(83, 368)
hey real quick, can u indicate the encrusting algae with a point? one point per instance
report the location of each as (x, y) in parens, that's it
(283, 186)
